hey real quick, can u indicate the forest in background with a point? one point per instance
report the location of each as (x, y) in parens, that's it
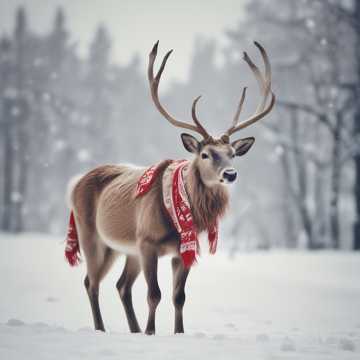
(62, 114)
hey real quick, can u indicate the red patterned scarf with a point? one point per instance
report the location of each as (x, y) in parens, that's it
(177, 204)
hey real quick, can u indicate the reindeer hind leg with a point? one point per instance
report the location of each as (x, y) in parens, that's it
(97, 267)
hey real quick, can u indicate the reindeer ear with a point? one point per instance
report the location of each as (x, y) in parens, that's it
(242, 146)
(190, 143)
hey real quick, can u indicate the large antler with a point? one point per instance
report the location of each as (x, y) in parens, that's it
(265, 90)
(154, 85)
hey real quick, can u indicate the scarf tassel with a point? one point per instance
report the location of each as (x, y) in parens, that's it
(188, 258)
(72, 249)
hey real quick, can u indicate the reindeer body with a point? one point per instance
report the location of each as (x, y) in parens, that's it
(104, 204)
(110, 220)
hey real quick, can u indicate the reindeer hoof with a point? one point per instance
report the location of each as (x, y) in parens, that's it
(135, 331)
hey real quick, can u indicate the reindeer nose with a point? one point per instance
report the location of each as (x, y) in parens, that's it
(229, 175)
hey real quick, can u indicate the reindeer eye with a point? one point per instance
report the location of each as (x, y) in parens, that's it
(204, 156)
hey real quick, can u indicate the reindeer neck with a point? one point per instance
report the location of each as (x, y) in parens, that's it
(207, 203)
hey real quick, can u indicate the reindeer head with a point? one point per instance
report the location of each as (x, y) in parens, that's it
(214, 157)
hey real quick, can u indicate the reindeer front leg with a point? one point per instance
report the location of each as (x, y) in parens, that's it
(149, 261)
(124, 286)
(180, 274)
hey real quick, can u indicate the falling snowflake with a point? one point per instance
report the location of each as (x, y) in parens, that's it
(59, 145)
(310, 23)
(15, 111)
(16, 197)
(38, 62)
(334, 92)
(46, 97)
(83, 155)
(279, 150)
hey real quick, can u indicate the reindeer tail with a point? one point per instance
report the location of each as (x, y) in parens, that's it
(72, 249)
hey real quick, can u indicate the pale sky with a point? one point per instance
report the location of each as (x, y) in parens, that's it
(135, 24)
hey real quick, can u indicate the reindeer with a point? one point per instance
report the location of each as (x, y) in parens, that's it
(110, 221)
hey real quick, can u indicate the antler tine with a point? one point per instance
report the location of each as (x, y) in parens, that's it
(265, 90)
(196, 120)
(266, 61)
(225, 137)
(255, 117)
(260, 80)
(154, 85)
(239, 108)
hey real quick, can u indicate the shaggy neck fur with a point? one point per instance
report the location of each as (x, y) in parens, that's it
(207, 203)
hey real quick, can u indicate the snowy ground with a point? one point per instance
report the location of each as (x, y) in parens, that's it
(274, 305)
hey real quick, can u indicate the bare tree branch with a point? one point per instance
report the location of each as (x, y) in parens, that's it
(309, 110)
